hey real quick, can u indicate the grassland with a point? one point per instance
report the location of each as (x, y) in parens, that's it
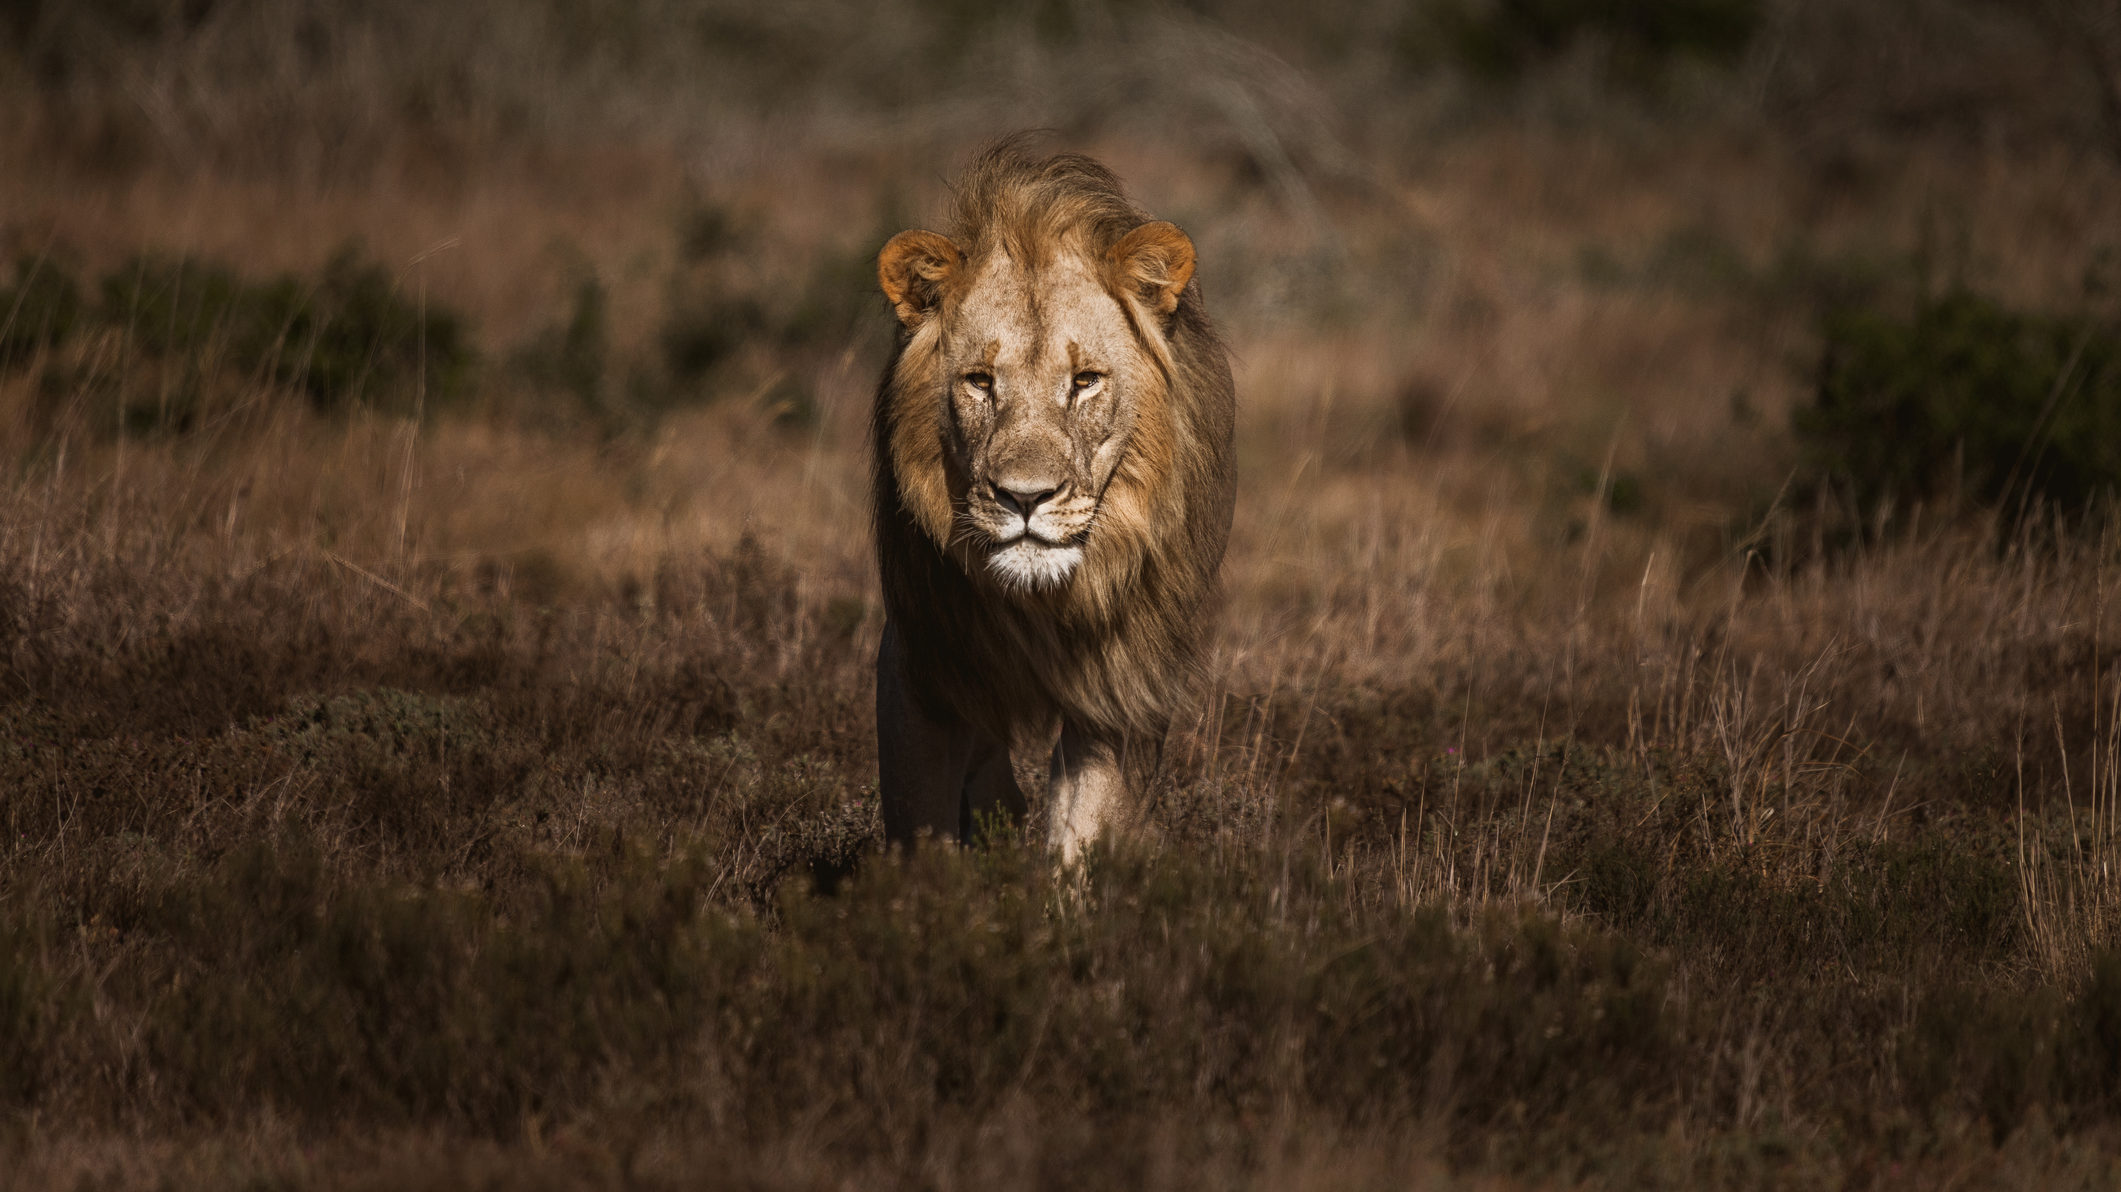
(452, 766)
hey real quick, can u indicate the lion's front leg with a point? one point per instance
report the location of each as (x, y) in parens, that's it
(1089, 788)
(992, 798)
(922, 762)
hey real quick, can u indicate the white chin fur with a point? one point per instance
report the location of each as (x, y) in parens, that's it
(1031, 566)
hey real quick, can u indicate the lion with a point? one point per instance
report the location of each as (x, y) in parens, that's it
(1053, 492)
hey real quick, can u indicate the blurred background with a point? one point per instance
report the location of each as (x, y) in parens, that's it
(1594, 252)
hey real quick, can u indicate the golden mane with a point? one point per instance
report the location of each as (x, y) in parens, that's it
(1029, 207)
(1116, 647)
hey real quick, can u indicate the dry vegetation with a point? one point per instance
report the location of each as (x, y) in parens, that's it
(434, 740)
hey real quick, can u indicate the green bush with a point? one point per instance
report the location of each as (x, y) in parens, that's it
(703, 329)
(573, 357)
(735, 305)
(1966, 397)
(39, 310)
(348, 336)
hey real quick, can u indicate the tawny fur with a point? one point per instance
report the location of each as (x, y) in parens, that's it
(1117, 646)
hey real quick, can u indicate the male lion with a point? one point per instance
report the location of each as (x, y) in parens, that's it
(1053, 492)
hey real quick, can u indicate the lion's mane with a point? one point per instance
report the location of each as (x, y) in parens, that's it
(1118, 646)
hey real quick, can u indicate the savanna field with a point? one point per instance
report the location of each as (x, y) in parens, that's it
(1663, 727)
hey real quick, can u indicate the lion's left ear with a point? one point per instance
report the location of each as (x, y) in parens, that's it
(1154, 262)
(913, 269)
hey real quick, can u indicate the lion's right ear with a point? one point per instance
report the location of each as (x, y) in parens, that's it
(913, 269)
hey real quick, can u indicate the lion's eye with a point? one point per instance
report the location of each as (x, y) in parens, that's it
(1087, 380)
(984, 382)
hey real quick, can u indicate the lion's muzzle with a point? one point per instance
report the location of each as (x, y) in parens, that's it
(1035, 532)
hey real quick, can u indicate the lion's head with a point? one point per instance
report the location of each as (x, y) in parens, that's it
(1041, 338)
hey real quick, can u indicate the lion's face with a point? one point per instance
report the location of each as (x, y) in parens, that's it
(1043, 376)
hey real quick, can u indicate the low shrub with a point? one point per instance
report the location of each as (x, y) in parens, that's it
(1966, 398)
(2001, 1057)
(349, 336)
(1503, 39)
(573, 357)
(38, 310)
(737, 311)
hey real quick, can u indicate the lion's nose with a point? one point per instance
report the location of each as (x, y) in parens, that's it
(1026, 498)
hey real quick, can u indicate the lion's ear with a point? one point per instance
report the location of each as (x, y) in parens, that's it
(1154, 262)
(913, 269)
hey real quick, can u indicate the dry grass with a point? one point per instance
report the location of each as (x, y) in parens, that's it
(488, 799)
